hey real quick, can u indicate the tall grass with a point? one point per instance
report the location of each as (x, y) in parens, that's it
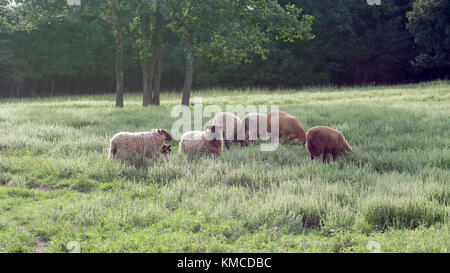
(57, 185)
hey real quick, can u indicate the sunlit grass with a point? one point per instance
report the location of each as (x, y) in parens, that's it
(57, 185)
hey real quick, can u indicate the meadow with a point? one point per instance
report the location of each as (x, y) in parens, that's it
(57, 185)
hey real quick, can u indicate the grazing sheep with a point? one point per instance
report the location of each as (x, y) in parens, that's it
(126, 145)
(232, 128)
(165, 149)
(202, 142)
(255, 126)
(325, 140)
(288, 127)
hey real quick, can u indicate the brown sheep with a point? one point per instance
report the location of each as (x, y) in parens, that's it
(325, 140)
(288, 126)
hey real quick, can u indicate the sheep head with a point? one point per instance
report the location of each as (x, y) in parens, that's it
(165, 149)
(167, 136)
(214, 135)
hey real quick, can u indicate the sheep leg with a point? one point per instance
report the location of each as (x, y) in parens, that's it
(292, 142)
(312, 157)
(334, 156)
(324, 159)
(254, 142)
(227, 144)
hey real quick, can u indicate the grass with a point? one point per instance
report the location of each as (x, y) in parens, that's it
(57, 185)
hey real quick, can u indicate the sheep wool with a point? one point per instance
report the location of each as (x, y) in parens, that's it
(288, 127)
(232, 128)
(255, 126)
(202, 142)
(325, 140)
(126, 145)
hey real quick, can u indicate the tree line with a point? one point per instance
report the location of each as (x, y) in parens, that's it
(50, 47)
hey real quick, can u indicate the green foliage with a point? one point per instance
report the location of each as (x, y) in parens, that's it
(429, 21)
(353, 43)
(231, 31)
(49, 47)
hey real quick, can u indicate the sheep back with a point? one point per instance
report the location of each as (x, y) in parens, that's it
(288, 126)
(201, 142)
(255, 126)
(126, 145)
(231, 126)
(322, 139)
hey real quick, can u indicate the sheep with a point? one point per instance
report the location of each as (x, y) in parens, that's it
(165, 149)
(288, 127)
(255, 126)
(232, 128)
(202, 142)
(126, 145)
(325, 140)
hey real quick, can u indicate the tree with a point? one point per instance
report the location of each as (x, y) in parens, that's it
(354, 44)
(7, 63)
(117, 16)
(150, 21)
(429, 21)
(232, 30)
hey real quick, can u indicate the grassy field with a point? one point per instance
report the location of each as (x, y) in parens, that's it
(57, 185)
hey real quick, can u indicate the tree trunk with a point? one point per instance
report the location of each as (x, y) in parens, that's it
(147, 82)
(52, 91)
(119, 70)
(189, 71)
(157, 81)
(157, 57)
(146, 60)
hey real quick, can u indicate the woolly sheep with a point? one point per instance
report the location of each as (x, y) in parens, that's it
(255, 126)
(288, 127)
(325, 140)
(126, 145)
(232, 128)
(202, 142)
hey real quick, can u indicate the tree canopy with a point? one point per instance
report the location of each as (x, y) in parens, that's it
(49, 47)
(429, 22)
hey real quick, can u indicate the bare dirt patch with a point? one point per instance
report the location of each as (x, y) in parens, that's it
(41, 246)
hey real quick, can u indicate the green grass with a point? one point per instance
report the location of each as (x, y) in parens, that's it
(57, 185)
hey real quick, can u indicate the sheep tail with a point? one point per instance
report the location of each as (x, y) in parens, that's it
(347, 146)
(112, 150)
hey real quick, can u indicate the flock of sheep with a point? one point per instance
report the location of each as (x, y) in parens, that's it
(227, 128)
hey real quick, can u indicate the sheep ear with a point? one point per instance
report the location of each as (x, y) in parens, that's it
(209, 127)
(215, 128)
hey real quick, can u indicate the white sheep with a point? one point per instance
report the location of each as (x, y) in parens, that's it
(202, 142)
(232, 128)
(126, 145)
